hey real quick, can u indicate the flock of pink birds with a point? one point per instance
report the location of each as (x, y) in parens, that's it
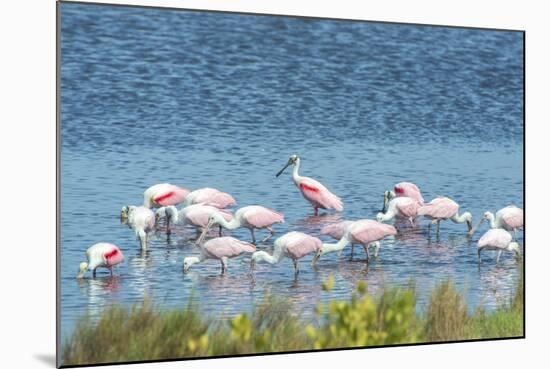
(206, 208)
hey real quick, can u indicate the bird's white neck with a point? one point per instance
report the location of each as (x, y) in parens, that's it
(461, 218)
(333, 247)
(264, 256)
(388, 215)
(492, 222)
(233, 224)
(295, 175)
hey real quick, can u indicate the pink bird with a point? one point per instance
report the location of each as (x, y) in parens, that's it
(222, 249)
(164, 194)
(209, 196)
(251, 217)
(497, 239)
(366, 232)
(141, 220)
(337, 231)
(509, 218)
(403, 207)
(293, 245)
(101, 255)
(313, 191)
(196, 215)
(443, 208)
(403, 189)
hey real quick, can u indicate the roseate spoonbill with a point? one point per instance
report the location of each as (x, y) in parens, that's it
(293, 245)
(101, 255)
(141, 220)
(497, 239)
(404, 207)
(337, 231)
(196, 215)
(443, 208)
(251, 217)
(164, 194)
(366, 232)
(222, 249)
(313, 191)
(403, 189)
(209, 196)
(509, 218)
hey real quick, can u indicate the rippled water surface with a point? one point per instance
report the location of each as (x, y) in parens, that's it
(221, 100)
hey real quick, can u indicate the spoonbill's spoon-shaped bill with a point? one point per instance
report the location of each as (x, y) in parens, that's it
(313, 191)
(222, 249)
(100, 255)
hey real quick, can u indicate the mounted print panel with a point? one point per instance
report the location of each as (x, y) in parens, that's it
(238, 184)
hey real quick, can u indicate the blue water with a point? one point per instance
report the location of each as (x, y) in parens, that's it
(221, 100)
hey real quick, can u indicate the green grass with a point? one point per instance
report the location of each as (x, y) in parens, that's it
(145, 332)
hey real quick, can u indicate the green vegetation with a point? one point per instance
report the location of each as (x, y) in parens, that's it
(144, 332)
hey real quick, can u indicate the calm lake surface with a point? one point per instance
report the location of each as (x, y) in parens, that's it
(221, 100)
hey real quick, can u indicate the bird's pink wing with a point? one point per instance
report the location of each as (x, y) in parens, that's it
(173, 195)
(439, 208)
(200, 214)
(228, 247)
(407, 206)
(261, 217)
(113, 256)
(319, 195)
(219, 199)
(408, 189)
(514, 219)
(302, 244)
(336, 230)
(367, 231)
(496, 238)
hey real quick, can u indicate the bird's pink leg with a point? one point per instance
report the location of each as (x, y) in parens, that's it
(253, 236)
(315, 211)
(224, 264)
(351, 255)
(93, 273)
(438, 221)
(111, 270)
(220, 230)
(271, 232)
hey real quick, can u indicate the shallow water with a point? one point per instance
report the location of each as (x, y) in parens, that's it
(222, 100)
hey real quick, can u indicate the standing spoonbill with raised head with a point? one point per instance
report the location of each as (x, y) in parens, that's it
(196, 215)
(443, 208)
(313, 191)
(251, 217)
(509, 218)
(222, 249)
(366, 232)
(403, 189)
(497, 239)
(209, 196)
(141, 220)
(101, 255)
(164, 194)
(292, 245)
(402, 207)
